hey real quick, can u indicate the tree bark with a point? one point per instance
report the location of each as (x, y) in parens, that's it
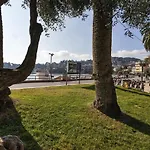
(1, 39)
(106, 100)
(5, 100)
(3, 2)
(9, 77)
(1, 33)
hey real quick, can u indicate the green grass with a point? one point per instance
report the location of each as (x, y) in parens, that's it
(62, 118)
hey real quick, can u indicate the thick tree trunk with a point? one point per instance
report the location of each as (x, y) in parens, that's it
(4, 94)
(106, 100)
(5, 100)
(1, 39)
(9, 77)
(3, 2)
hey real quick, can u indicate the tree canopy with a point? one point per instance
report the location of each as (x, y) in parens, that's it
(146, 40)
(135, 13)
(53, 12)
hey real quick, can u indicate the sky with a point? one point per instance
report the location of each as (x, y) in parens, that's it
(74, 42)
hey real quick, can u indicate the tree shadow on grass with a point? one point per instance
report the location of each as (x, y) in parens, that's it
(134, 91)
(91, 87)
(135, 123)
(129, 120)
(10, 124)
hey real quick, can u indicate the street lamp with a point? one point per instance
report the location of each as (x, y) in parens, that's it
(142, 70)
(51, 55)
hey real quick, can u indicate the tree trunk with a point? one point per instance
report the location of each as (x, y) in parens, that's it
(5, 100)
(106, 100)
(9, 77)
(3, 2)
(1, 39)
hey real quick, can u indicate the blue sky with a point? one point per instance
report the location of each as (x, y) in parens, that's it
(74, 42)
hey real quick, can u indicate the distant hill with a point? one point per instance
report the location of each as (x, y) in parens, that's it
(86, 65)
(121, 61)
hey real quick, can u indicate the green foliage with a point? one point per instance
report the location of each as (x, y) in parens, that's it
(147, 60)
(146, 40)
(63, 118)
(53, 12)
(133, 13)
(8, 3)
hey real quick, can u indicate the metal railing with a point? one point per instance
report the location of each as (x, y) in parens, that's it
(37, 77)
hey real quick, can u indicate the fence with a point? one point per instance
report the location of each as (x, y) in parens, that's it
(37, 77)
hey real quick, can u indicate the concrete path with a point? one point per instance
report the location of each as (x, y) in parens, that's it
(147, 88)
(47, 84)
(62, 83)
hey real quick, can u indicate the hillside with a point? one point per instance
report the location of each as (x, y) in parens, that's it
(120, 61)
(86, 65)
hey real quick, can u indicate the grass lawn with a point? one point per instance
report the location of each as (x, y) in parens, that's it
(62, 118)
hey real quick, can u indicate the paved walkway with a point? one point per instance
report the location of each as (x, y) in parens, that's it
(147, 88)
(47, 84)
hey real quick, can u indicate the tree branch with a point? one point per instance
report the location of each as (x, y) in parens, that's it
(9, 77)
(3, 2)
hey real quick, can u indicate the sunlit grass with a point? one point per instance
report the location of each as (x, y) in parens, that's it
(62, 118)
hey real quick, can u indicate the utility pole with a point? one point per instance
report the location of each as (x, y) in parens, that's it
(141, 64)
(51, 55)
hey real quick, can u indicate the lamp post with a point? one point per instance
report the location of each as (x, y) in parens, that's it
(51, 55)
(142, 70)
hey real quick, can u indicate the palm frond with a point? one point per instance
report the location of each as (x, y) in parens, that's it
(146, 41)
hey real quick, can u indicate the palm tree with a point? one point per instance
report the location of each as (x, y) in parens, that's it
(146, 41)
(147, 60)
